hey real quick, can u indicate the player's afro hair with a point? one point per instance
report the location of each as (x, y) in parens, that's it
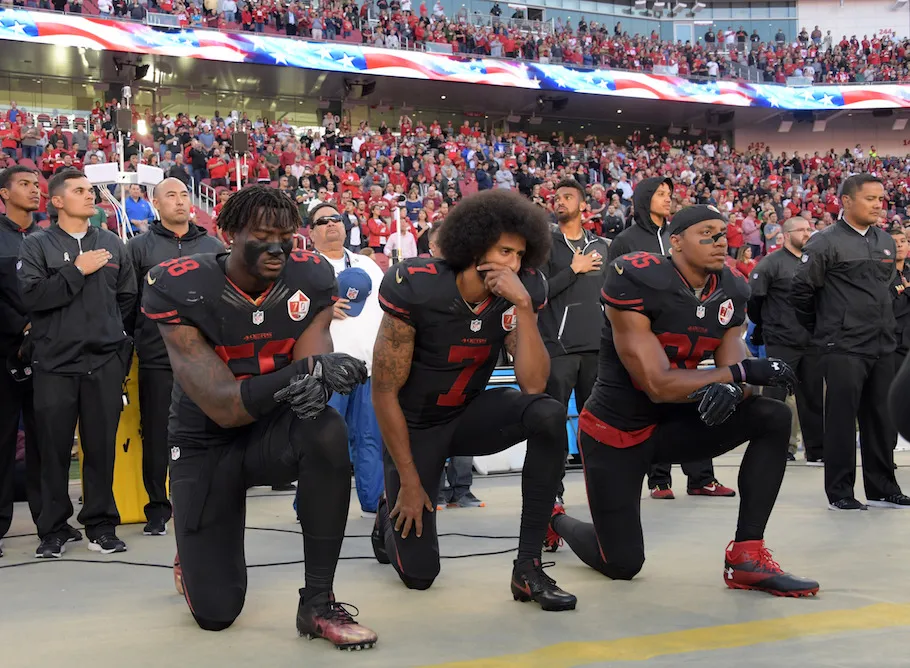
(258, 205)
(478, 221)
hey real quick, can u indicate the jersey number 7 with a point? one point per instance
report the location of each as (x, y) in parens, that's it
(477, 356)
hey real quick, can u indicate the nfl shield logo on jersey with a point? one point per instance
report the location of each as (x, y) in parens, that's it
(298, 306)
(352, 293)
(509, 319)
(258, 317)
(475, 325)
(725, 312)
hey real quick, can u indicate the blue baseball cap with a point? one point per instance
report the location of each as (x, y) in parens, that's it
(355, 285)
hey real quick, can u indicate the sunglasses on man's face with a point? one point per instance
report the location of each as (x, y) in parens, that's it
(325, 220)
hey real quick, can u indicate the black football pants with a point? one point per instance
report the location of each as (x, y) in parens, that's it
(614, 544)
(16, 401)
(809, 403)
(155, 387)
(208, 488)
(856, 388)
(577, 372)
(495, 420)
(94, 401)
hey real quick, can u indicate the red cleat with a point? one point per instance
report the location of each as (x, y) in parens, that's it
(552, 541)
(322, 617)
(748, 565)
(662, 492)
(714, 489)
(178, 575)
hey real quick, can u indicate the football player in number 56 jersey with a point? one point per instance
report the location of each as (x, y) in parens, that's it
(445, 323)
(247, 335)
(664, 315)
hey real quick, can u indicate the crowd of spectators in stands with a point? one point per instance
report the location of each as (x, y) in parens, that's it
(424, 170)
(821, 58)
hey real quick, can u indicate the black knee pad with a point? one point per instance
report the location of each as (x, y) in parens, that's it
(623, 570)
(545, 416)
(326, 435)
(771, 415)
(417, 583)
(212, 625)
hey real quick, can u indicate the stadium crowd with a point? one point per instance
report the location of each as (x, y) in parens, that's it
(426, 169)
(403, 24)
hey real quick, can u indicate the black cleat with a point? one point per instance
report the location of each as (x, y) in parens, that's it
(377, 538)
(322, 617)
(530, 583)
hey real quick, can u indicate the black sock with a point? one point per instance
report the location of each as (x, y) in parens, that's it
(541, 473)
(581, 538)
(762, 470)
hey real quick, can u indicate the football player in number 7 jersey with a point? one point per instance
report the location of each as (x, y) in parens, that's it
(651, 402)
(247, 335)
(446, 322)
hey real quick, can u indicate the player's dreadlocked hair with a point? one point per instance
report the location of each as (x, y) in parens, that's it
(477, 222)
(258, 205)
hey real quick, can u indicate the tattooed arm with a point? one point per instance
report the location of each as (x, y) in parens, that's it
(392, 356)
(204, 377)
(529, 354)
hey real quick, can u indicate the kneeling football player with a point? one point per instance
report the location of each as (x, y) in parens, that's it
(446, 322)
(651, 403)
(247, 334)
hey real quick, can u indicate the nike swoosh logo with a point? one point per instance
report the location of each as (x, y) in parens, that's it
(710, 488)
(397, 277)
(150, 280)
(619, 269)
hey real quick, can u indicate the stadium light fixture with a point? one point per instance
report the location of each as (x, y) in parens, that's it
(641, 4)
(899, 124)
(659, 5)
(678, 7)
(819, 126)
(900, 3)
(697, 7)
(785, 126)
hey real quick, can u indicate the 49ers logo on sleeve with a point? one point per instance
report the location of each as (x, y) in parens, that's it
(509, 319)
(725, 312)
(298, 306)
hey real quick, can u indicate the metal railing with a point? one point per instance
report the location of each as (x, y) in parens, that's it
(205, 199)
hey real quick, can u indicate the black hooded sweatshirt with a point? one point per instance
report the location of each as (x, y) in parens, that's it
(149, 250)
(13, 314)
(643, 234)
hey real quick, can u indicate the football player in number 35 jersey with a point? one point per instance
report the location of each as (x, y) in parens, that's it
(666, 314)
(446, 322)
(247, 335)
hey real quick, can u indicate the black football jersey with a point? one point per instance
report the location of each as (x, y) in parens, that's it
(456, 347)
(252, 335)
(690, 328)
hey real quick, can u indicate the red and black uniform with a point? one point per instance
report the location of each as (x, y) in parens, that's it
(623, 431)
(450, 413)
(213, 466)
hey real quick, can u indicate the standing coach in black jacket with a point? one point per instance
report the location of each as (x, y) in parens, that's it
(169, 237)
(648, 232)
(78, 286)
(21, 196)
(842, 296)
(571, 322)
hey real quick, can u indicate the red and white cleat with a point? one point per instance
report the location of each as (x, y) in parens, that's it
(748, 565)
(323, 617)
(178, 575)
(553, 540)
(714, 489)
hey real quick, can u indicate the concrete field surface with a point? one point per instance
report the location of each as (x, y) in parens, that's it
(101, 613)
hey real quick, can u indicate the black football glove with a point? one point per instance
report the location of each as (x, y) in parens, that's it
(306, 395)
(767, 372)
(758, 336)
(718, 402)
(339, 372)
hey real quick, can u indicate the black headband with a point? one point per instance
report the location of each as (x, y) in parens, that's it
(692, 215)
